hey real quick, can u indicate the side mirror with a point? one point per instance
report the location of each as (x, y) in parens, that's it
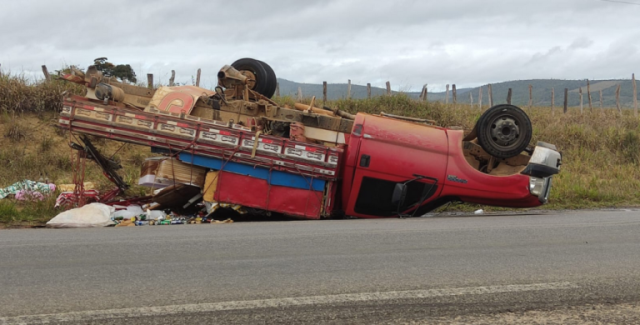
(399, 194)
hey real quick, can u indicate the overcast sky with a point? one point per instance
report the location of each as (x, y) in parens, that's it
(409, 43)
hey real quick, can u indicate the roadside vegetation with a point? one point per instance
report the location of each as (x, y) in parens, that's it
(601, 149)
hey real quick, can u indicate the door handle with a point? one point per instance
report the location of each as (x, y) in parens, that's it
(365, 160)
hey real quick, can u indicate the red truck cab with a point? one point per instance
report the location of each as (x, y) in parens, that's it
(426, 166)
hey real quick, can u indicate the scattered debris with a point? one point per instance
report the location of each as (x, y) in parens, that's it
(28, 190)
(68, 199)
(71, 187)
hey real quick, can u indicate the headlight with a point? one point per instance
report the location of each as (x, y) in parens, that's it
(536, 186)
(540, 187)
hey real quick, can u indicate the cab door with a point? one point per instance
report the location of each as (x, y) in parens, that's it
(391, 152)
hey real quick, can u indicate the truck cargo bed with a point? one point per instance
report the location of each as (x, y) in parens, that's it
(301, 170)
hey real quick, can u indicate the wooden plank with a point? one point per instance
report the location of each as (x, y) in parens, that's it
(509, 93)
(368, 90)
(589, 95)
(324, 93)
(150, 80)
(490, 95)
(173, 78)
(566, 98)
(388, 88)
(349, 89)
(45, 71)
(198, 78)
(618, 99)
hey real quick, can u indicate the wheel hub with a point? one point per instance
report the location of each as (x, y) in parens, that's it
(251, 78)
(504, 131)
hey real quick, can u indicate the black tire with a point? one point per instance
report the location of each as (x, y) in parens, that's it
(272, 81)
(504, 131)
(258, 70)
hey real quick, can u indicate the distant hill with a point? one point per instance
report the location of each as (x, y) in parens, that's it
(541, 92)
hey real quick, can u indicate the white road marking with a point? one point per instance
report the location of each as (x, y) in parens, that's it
(92, 315)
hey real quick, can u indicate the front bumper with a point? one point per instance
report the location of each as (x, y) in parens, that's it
(544, 163)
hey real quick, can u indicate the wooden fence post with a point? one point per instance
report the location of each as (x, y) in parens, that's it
(566, 99)
(47, 77)
(509, 93)
(635, 95)
(581, 101)
(150, 80)
(324, 93)
(446, 99)
(553, 101)
(423, 93)
(454, 94)
(490, 95)
(601, 102)
(277, 89)
(388, 88)
(530, 97)
(349, 89)
(470, 99)
(618, 100)
(368, 90)
(198, 78)
(426, 93)
(299, 94)
(589, 96)
(173, 78)
(480, 98)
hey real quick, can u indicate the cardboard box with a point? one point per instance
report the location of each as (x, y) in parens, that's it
(161, 172)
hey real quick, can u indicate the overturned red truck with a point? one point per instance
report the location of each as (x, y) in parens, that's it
(310, 162)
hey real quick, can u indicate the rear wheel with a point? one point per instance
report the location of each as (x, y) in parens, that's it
(504, 131)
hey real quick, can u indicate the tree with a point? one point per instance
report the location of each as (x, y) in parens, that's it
(120, 71)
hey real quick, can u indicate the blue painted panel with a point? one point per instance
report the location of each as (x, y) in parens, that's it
(277, 177)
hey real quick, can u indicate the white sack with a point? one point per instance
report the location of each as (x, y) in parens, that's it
(90, 215)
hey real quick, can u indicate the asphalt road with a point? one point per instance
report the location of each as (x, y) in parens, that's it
(556, 268)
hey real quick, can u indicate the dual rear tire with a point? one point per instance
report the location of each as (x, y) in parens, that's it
(264, 76)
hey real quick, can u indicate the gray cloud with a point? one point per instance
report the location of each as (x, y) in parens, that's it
(409, 43)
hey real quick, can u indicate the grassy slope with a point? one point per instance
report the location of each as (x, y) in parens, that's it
(601, 149)
(43, 153)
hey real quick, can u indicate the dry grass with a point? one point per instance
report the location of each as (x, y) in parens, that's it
(601, 149)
